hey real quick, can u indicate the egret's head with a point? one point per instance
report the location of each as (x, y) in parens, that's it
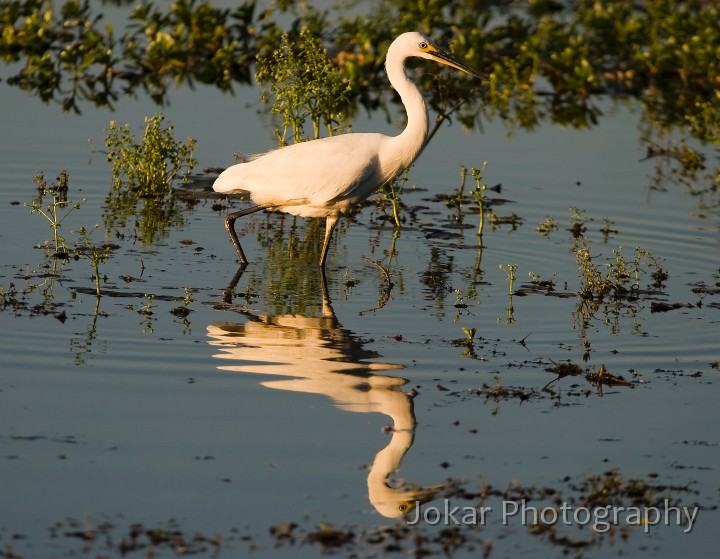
(422, 46)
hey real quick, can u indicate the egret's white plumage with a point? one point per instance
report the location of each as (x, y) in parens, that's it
(326, 177)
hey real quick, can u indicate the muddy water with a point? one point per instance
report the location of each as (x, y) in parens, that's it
(174, 403)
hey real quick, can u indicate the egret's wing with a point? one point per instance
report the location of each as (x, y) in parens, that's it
(318, 171)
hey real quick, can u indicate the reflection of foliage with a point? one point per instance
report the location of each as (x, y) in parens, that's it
(292, 247)
(548, 61)
(305, 85)
(663, 51)
(677, 162)
(71, 55)
(150, 217)
(82, 345)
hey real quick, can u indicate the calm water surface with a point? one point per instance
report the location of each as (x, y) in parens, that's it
(277, 407)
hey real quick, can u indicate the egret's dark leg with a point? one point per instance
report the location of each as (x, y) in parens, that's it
(229, 291)
(330, 223)
(230, 226)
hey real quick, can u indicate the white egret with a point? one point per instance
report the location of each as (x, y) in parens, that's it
(328, 176)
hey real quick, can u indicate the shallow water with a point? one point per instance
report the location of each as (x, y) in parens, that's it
(276, 406)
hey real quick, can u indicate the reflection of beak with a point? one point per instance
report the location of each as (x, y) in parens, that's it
(449, 60)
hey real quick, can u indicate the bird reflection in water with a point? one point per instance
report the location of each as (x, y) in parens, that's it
(321, 357)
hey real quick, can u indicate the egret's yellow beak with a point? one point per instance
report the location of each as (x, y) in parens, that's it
(448, 59)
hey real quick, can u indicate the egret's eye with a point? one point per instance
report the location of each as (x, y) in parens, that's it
(404, 507)
(423, 45)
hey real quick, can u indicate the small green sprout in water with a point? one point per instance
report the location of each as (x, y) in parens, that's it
(147, 308)
(96, 254)
(478, 194)
(470, 334)
(457, 197)
(510, 309)
(182, 312)
(147, 311)
(510, 273)
(150, 165)
(391, 193)
(459, 300)
(468, 342)
(511, 219)
(459, 304)
(578, 222)
(607, 229)
(547, 226)
(540, 283)
(56, 211)
(348, 280)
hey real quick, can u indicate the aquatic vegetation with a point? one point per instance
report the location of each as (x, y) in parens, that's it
(547, 61)
(478, 195)
(546, 227)
(510, 273)
(143, 171)
(96, 254)
(305, 85)
(391, 193)
(148, 166)
(613, 288)
(573, 515)
(280, 280)
(70, 55)
(457, 198)
(540, 284)
(607, 229)
(618, 277)
(56, 211)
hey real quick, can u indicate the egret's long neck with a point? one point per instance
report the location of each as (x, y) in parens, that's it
(410, 142)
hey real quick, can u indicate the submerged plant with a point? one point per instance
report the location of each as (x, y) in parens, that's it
(457, 197)
(619, 276)
(510, 273)
(94, 253)
(148, 166)
(478, 195)
(56, 211)
(510, 309)
(547, 226)
(390, 192)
